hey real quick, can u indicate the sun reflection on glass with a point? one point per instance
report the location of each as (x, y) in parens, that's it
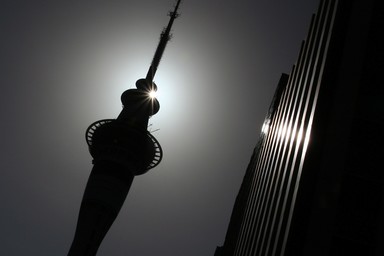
(265, 127)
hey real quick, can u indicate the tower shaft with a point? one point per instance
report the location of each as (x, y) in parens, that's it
(104, 195)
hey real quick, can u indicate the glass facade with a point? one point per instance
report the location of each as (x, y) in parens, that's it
(295, 195)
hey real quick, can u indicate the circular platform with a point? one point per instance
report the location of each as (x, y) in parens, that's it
(158, 152)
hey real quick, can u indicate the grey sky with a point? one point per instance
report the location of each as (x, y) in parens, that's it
(64, 65)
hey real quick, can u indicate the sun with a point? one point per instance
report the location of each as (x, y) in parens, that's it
(152, 94)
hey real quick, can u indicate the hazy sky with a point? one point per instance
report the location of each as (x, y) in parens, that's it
(64, 65)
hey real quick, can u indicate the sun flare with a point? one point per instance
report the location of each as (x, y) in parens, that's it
(152, 94)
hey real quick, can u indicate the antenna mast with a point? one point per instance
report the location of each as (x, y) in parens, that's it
(164, 38)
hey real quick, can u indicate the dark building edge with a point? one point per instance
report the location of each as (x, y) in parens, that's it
(242, 196)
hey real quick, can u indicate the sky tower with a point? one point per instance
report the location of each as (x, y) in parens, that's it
(121, 149)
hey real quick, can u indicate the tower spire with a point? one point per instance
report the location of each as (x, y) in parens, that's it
(164, 38)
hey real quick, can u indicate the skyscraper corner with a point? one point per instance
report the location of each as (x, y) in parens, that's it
(314, 184)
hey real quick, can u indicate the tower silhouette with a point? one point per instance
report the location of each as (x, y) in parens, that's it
(121, 149)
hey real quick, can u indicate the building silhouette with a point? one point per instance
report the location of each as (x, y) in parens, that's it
(315, 181)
